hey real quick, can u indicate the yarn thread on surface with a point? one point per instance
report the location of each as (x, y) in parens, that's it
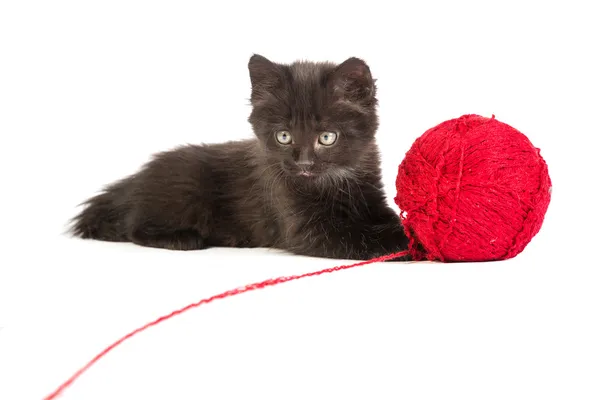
(229, 293)
(472, 189)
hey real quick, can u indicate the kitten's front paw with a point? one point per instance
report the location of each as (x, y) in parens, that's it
(392, 239)
(179, 240)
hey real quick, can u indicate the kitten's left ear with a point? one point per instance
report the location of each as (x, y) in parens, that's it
(353, 81)
(263, 72)
(265, 76)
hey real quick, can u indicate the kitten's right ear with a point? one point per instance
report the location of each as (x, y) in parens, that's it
(352, 81)
(264, 74)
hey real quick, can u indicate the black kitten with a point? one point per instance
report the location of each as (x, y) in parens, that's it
(308, 183)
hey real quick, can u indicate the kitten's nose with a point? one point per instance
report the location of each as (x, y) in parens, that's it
(305, 167)
(305, 164)
(304, 160)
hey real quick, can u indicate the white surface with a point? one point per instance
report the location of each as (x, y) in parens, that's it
(88, 92)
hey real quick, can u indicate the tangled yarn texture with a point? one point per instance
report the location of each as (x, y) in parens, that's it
(472, 189)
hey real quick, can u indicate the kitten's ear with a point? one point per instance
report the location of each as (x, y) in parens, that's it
(352, 80)
(264, 74)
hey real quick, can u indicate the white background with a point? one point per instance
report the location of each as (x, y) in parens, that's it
(89, 90)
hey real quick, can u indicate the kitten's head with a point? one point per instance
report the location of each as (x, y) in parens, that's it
(314, 120)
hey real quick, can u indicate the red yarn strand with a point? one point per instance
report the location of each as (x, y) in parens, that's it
(229, 293)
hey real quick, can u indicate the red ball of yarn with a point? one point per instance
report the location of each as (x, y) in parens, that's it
(472, 189)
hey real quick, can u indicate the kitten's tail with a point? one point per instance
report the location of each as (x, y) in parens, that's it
(103, 216)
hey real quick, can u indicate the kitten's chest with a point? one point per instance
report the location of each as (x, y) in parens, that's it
(302, 218)
(261, 215)
(321, 212)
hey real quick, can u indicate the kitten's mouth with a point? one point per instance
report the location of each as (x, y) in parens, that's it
(301, 173)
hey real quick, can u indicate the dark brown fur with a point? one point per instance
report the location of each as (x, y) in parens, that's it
(248, 193)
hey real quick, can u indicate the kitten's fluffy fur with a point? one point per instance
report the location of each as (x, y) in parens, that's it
(303, 197)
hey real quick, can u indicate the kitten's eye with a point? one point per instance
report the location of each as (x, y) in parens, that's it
(284, 137)
(327, 138)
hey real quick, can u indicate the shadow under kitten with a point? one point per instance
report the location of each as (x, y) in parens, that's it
(308, 182)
